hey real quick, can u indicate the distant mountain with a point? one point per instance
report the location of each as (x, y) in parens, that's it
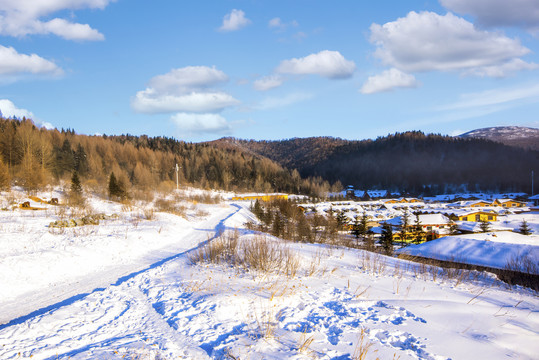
(411, 161)
(523, 137)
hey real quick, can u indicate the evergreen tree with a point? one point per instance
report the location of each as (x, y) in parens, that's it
(356, 228)
(80, 160)
(387, 238)
(419, 234)
(76, 187)
(405, 223)
(342, 219)
(484, 225)
(116, 188)
(524, 228)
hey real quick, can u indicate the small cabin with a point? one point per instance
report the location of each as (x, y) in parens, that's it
(478, 216)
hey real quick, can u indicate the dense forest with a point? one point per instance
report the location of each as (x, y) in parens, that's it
(34, 157)
(411, 162)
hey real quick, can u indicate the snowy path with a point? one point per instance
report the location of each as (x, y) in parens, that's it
(77, 272)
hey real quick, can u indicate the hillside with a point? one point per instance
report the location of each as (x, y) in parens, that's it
(204, 286)
(410, 161)
(519, 136)
(34, 158)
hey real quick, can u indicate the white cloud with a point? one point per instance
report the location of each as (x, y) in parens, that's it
(234, 21)
(520, 13)
(268, 82)
(9, 110)
(187, 79)
(152, 102)
(22, 17)
(329, 64)
(184, 90)
(14, 63)
(201, 123)
(497, 97)
(387, 81)
(427, 41)
(278, 24)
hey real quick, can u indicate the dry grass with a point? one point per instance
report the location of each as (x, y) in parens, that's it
(362, 347)
(171, 207)
(373, 263)
(257, 254)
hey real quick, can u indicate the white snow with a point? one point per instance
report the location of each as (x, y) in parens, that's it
(492, 249)
(127, 289)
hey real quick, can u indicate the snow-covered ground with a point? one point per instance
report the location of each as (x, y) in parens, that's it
(127, 288)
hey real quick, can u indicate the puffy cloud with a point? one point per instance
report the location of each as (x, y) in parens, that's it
(330, 64)
(9, 110)
(521, 13)
(184, 90)
(201, 123)
(22, 17)
(187, 79)
(152, 102)
(14, 63)
(268, 82)
(427, 41)
(234, 21)
(188, 92)
(387, 81)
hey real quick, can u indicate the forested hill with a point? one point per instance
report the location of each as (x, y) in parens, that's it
(524, 137)
(410, 161)
(35, 157)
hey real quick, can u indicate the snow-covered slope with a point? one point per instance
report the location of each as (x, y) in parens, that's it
(510, 135)
(339, 303)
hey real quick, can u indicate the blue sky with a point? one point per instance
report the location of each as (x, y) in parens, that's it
(201, 70)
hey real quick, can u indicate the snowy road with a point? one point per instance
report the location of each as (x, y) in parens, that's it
(62, 274)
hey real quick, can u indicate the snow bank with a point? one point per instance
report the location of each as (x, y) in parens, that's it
(493, 249)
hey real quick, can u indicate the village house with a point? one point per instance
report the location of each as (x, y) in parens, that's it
(476, 215)
(508, 203)
(432, 226)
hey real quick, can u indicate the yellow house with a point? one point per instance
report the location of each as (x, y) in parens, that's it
(402, 201)
(508, 203)
(267, 197)
(478, 216)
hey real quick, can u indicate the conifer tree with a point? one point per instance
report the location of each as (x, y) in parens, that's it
(76, 187)
(387, 238)
(524, 228)
(484, 225)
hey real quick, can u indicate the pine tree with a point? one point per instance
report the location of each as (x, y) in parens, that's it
(484, 225)
(114, 187)
(76, 187)
(387, 238)
(419, 234)
(524, 228)
(404, 225)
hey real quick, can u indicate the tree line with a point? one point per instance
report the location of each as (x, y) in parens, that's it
(34, 157)
(410, 162)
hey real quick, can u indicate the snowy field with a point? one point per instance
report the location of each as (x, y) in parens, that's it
(129, 289)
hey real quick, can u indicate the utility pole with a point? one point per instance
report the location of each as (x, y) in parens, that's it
(532, 182)
(177, 178)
